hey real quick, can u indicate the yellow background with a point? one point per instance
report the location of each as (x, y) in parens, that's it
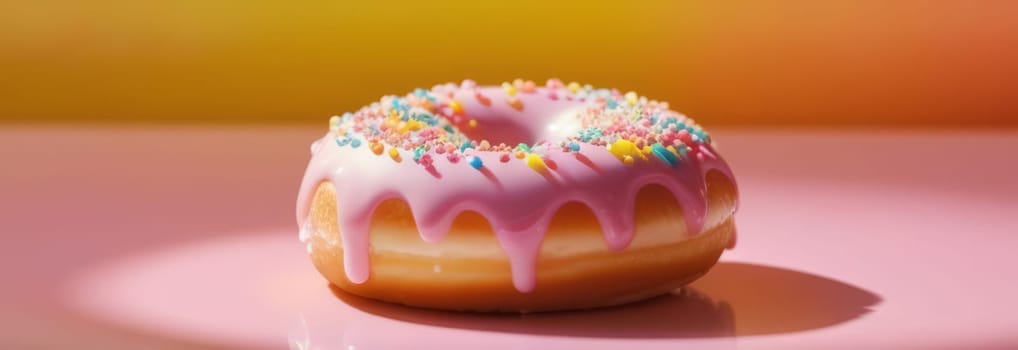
(723, 63)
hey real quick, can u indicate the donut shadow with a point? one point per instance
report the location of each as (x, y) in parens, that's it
(733, 299)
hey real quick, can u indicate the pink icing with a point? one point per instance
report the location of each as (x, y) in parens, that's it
(517, 201)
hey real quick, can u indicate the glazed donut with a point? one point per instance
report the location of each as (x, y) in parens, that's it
(515, 198)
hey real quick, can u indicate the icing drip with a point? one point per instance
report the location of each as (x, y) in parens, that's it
(517, 197)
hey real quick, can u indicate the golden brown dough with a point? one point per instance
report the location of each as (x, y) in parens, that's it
(467, 270)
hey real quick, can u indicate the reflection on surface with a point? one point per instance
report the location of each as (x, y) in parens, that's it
(261, 292)
(682, 314)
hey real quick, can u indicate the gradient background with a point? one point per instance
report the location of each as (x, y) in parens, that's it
(814, 63)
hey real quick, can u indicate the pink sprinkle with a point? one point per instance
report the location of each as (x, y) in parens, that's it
(468, 84)
(529, 87)
(504, 158)
(439, 149)
(453, 157)
(685, 137)
(426, 160)
(553, 84)
(552, 95)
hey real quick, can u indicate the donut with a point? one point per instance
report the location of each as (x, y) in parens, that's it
(515, 198)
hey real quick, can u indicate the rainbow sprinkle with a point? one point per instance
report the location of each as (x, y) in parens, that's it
(427, 123)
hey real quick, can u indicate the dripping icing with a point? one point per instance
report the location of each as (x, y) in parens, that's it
(520, 207)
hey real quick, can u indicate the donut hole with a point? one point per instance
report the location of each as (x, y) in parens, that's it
(537, 119)
(498, 129)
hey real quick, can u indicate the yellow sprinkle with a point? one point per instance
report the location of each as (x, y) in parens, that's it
(631, 98)
(334, 122)
(623, 148)
(647, 150)
(509, 89)
(394, 154)
(456, 107)
(627, 160)
(535, 162)
(376, 148)
(473, 123)
(411, 125)
(573, 87)
(392, 121)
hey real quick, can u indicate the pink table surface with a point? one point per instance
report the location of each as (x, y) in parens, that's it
(183, 237)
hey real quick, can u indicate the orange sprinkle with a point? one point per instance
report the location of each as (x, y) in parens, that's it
(456, 107)
(394, 154)
(515, 103)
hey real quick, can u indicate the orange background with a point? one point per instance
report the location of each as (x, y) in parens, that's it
(861, 63)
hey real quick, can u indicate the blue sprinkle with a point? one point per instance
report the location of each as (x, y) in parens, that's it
(573, 146)
(342, 141)
(355, 143)
(420, 92)
(448, 128)
(611, 103)
(682, 150)
(465, 146)
(671, 121)
(663, 153)
(476, 162)
(418, 152)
